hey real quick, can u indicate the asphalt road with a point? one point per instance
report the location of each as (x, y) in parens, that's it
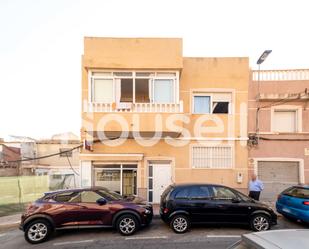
(158, 235)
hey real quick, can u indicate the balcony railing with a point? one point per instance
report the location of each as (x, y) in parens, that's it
(280, 75)
(134, 107)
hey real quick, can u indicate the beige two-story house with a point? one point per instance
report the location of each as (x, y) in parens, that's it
(152, 117)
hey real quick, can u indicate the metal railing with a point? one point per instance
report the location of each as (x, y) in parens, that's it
(281, 75)
(135, 107)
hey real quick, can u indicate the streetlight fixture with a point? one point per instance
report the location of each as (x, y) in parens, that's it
(263, 57)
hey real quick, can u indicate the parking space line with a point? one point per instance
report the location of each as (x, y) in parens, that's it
(223, 236)
(73, 242)
(2, 234)
(149, 237)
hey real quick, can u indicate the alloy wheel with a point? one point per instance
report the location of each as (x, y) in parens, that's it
(127, 225)
(37, 232)
(260, 223)
(180, 224)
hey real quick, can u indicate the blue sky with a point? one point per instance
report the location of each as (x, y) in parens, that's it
(42, 42)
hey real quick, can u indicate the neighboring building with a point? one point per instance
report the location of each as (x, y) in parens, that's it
(279, 134)
(63, 169)
(193, 112)
(7, 155)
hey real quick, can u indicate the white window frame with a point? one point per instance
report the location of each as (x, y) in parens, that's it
(91, 92)
(155, 75)
(212, 146)
(211, 95)
(292, 108)
(120, 169)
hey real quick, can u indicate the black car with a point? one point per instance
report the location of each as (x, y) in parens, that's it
(183, 205)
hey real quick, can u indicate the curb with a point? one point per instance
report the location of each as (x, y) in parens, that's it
(156, 216)
(14, 224)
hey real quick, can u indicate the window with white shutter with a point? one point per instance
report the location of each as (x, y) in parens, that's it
(285, 121)
(215, 157)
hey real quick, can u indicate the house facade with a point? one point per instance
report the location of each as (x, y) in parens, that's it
(152, 117)
(278, 127)
(9, 157)
(62, 169)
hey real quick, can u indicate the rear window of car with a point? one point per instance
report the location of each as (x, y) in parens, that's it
(67, 197)
(297, 192)
(193, 192)
(166, 192)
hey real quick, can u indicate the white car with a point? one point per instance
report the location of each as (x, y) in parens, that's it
(275, 239)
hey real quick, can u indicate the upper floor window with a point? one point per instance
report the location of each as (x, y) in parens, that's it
(134, 87)
(286, 119)
(102, 90)
(212, 103)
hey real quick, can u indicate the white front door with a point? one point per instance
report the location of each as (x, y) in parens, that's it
(162, 178)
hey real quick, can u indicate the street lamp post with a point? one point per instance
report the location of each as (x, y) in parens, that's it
(262, 58)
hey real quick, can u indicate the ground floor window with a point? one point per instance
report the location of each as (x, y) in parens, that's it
(120, 178)
(213, 157)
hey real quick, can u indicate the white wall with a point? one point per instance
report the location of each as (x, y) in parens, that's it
(85, 173)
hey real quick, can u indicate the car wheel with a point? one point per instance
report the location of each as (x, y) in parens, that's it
(180, 223)
(260, 222)
(127, 224)
(38, 231)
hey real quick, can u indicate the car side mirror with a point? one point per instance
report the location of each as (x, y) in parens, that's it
(101, 201)
(236, 200)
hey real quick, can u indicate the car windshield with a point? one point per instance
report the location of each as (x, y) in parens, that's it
(244, 197)
(298, 192)
(110, 195)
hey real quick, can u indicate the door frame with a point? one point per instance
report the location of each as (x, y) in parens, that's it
(151, 161)
(282, 159)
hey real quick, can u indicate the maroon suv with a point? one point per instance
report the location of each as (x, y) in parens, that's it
(84, 208)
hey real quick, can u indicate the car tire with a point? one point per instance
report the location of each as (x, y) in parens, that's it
(260, 222)
(180, 223)
(38, 231)
(127, 224)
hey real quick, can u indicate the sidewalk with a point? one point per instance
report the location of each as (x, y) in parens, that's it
(10, 221)
(156, 210)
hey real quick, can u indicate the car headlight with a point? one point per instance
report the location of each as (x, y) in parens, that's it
(147, 211)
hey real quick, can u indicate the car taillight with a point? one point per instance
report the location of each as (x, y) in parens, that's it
(165, 210)
(306, 203)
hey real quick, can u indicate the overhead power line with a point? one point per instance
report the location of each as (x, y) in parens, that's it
(56, 154)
